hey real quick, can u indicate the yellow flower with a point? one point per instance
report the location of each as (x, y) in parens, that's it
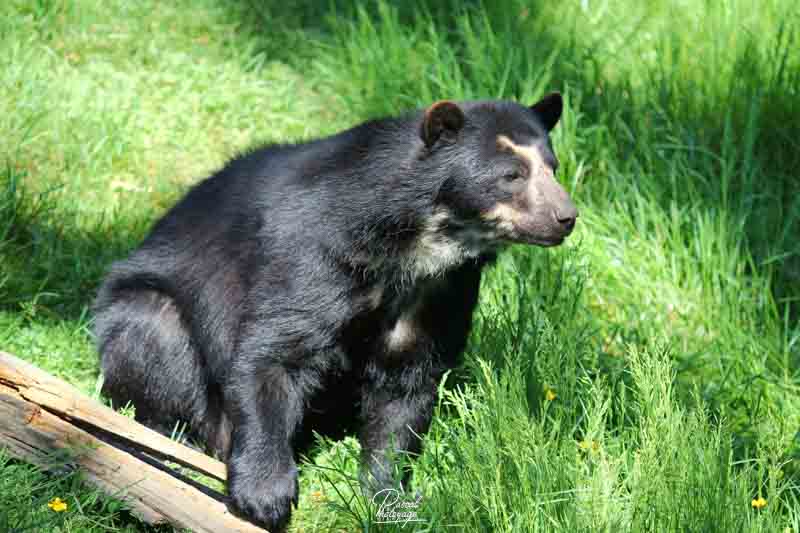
(57, 505)
(550, 394)
(317, 496)
(758, 503)
(585, 445)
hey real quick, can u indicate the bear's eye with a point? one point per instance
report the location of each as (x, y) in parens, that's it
(512, 177)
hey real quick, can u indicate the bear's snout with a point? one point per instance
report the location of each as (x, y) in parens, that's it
(565, 214)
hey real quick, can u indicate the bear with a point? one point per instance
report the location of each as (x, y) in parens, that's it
(326, 286)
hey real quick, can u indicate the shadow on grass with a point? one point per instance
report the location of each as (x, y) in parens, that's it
(52, 262)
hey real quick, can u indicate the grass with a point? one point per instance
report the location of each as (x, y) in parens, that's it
(666, 332)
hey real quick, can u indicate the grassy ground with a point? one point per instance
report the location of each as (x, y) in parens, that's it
(644, 377)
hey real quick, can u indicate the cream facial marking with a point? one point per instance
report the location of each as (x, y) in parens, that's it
(531, 154)
(508, 216)
(504, 216)
(434, 252)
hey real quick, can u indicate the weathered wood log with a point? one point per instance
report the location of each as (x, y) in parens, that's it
(41, 415)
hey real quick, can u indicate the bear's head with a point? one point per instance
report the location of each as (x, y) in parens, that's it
(495, 167)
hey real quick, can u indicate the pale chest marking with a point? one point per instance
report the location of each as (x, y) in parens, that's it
(404, 334)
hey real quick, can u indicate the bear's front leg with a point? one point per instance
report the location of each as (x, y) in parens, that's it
(401, 381)
(262, 475)
(396, 408)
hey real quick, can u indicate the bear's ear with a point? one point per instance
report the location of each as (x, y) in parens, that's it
(548, 109)
(442, 118)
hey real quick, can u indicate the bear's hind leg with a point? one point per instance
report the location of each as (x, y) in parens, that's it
(148, 358)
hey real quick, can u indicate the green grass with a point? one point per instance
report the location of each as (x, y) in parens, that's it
(668, 328)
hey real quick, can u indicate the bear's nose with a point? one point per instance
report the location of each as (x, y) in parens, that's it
(565, 214)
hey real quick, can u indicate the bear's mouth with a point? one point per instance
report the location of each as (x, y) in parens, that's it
(547, 243)
(537, 241)
(486, 238)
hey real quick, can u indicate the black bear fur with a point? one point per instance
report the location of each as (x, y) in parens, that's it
(326, 286)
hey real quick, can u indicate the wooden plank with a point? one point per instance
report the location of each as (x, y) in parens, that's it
(33, 431)
(60, 397)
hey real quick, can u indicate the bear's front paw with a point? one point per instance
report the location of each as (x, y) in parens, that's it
(266, 502)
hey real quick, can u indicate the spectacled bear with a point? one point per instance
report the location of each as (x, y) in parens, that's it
(326, 286)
